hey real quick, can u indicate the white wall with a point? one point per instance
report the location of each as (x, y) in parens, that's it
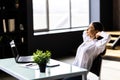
(95, 10)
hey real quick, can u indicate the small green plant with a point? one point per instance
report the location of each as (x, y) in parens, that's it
(41, 57)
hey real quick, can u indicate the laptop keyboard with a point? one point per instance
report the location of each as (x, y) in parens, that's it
(25, 58)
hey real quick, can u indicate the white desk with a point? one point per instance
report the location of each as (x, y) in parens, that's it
(64, 70)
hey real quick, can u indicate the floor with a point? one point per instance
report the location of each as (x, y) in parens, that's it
(110, 67)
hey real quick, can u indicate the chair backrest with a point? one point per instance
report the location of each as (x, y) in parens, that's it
(96, 66)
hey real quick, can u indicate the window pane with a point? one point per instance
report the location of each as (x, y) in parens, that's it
(79, 13)
(59, 14)
(39, 14)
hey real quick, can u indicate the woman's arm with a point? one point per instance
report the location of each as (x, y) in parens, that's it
(101, 43)
(85, 37)
(105, 38)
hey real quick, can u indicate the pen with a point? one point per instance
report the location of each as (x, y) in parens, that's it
(29, 64)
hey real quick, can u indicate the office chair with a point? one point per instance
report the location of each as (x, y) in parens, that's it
(96, 66)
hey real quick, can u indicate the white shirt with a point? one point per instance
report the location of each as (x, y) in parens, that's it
(89, 50)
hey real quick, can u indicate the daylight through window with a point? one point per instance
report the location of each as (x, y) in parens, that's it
(60, 14)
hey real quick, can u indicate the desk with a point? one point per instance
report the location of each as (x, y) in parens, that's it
(23, 73)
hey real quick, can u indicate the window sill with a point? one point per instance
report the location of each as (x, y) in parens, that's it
(59, 31)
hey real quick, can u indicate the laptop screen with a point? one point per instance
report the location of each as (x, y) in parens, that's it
(18, 58)
(14, 49)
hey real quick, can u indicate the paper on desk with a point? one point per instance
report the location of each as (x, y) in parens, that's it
(30, 65)
(35, 66)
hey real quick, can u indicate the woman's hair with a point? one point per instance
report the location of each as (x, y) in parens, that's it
(98, 26)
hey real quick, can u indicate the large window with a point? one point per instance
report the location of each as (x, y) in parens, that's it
(60, 14)
(79, 13)
(39, 15)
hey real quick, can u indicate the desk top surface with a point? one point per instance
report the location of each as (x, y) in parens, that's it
(21, 71)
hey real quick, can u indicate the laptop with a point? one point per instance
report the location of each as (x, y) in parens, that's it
(18, 58)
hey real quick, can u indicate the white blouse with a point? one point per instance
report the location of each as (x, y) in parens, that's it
(90, 49)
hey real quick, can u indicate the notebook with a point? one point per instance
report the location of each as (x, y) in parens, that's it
(18, 58)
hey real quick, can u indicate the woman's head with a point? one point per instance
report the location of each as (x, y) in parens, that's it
(94, 28)
(98, 26)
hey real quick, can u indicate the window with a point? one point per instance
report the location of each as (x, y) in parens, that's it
(79, 13)
(60, 14)
(39, 15)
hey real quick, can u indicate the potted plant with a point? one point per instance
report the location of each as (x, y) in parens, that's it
(41, 58)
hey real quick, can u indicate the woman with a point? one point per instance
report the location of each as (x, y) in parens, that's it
(94, 42)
